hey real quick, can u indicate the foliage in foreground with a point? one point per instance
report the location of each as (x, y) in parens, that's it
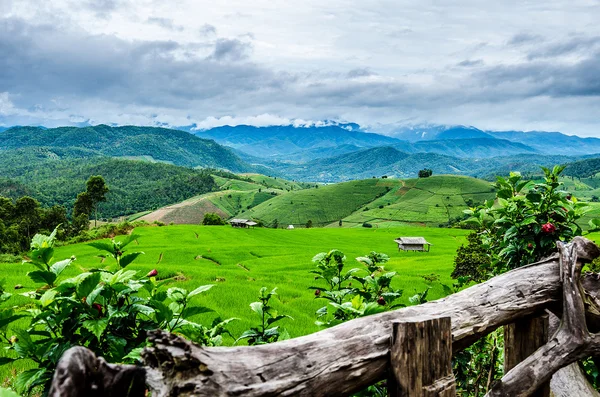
(107, 310)
(519, 227)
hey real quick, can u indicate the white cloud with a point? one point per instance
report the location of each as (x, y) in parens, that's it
(495, 65)
(6, 106)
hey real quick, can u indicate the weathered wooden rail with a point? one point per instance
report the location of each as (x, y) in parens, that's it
(410, 347)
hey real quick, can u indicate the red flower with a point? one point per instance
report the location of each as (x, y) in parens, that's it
(98, 307)
(548, 228)
(530, 246)
(317, 292)
(381, 301)
(152, 273)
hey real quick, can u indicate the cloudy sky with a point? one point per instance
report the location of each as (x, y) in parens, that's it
(527, 65)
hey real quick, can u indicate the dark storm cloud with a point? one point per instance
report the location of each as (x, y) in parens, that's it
(231, 50)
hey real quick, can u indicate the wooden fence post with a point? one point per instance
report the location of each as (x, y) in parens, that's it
(521, 339)
(421, 359)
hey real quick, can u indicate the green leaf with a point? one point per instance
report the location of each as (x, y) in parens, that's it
(192, 311)
(88, 284)
(7, 393)
(122, 276)
(6, 360)
(134, 355)
(127, 259)
(142, 309)
(128, 240)
(26, 379)
(91, 298)
(104, 246)
(25, 346)
(7, 317)
(199, 290)
(177, 294)
(48, 297)
(58, 267)
(40, 276)
(257, 307)
(96, 327)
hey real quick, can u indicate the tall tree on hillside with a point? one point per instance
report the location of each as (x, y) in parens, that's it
(27, 211)
(96, 189)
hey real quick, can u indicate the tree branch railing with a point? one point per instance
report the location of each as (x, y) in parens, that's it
(347, 358)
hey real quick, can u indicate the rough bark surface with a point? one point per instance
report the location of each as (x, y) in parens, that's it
(521, 339)
(421, 359)
(347, 358)
(80, 373)
(571, 342)
(569, 381)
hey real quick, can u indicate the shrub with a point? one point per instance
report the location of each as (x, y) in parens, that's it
(265, 332)
(212, 218)
(100, 309)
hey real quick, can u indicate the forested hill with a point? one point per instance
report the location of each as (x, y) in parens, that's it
(147, 143)
(134, 185)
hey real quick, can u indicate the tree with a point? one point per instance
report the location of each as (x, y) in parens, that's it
(425, 173)
(309, 224)
(83, 205)
(27, 212)
(96, 189)
(211, 218)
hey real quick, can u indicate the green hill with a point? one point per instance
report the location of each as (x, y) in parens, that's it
(427, 201)
(134, 185)
(321, 205)
(143, 143)
(238, 193)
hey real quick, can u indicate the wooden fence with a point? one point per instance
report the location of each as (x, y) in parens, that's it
(411, 348)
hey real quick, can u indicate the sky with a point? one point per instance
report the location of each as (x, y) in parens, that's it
(509, 65)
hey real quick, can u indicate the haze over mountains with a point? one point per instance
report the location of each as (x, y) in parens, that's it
(330, 153)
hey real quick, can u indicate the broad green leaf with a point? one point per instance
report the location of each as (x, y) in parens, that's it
(48, 297)
(96, 327)
(88, 284)
(192, 311)
(103, 246)
(40, 276)
(58, 267)
(122, 276)
(91, 298)
(129, 239)
(177, 294)
(127, 259)
(26, 379)
(257, 307)
(199, 290)
(24, 346)
(142, 309)
(6, 360)
(134, 355)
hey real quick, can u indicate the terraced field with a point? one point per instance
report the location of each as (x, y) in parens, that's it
(241, 261)
(428, 202)
(321, 205)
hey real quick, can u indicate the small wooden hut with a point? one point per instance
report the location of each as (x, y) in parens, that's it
(242, 223)
(413, 244)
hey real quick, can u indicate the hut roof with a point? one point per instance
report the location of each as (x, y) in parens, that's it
(412, 240)
(238, 221)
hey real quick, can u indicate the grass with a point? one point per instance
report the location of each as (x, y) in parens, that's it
(322, 205)
(425, 201)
